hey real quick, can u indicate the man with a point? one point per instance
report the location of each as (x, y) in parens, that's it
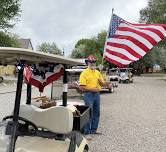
(90, 82)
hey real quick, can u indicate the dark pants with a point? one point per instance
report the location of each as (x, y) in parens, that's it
(92, 99)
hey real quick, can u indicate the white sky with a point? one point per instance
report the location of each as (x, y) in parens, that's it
(67, 21)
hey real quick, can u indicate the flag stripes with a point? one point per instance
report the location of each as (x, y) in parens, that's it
(129, 42)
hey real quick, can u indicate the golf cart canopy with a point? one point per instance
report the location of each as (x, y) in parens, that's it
(40, 69)
(10, 56)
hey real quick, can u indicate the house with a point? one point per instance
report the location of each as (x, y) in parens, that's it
(25, 43)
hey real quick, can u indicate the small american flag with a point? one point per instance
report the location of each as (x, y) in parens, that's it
(128, 42)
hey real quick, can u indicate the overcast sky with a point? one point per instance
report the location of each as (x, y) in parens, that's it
(67, 21)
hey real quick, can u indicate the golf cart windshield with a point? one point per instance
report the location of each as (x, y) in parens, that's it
(113, 72)
(123, 70)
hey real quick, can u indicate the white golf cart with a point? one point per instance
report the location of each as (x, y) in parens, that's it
(30, 128)
(113, 74)
(125, 75)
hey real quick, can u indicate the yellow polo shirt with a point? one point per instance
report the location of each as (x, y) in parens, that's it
(90, 78)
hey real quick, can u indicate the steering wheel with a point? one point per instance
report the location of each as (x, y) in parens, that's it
(26, 121)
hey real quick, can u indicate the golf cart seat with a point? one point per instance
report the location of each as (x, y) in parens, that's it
(57, 119)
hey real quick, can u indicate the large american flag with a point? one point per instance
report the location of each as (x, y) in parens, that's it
(128, 42)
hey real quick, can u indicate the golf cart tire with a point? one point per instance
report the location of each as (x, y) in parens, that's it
(85, 150)
(75, 140)
(26, 121)
(1, 79)
(111, 90)
(127, 81)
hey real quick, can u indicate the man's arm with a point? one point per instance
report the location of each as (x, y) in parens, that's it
(102, 82)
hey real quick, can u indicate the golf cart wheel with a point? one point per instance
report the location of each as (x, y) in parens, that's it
(111, 90)
(1, 79)
(86, 148)
(24, 121)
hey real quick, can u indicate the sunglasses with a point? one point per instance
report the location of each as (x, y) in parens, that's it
(92, 61)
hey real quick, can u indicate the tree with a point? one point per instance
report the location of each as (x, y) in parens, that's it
(9, 13)
(90, 46)
(101, 37)
(93, 46)
(154, 13)
(49, 48)
(78, 52)
(8, 40)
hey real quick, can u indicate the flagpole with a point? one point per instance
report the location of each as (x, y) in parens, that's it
(107, 37)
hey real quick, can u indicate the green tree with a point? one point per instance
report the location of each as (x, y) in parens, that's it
(101, 37)
(154, 13)
(93, 46)
(90, 46)
(49, 48)
(9, 13)
(78, 52)
(8, 40)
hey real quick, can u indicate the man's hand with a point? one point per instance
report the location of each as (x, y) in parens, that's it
(105, 84)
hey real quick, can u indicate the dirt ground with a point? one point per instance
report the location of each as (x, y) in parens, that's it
(133, 118)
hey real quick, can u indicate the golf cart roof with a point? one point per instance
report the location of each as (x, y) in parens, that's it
(113, 69)
(10, 56)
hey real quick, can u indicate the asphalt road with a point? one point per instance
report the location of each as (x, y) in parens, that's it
(133, 119)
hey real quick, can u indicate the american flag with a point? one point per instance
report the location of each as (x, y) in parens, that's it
(128, 42)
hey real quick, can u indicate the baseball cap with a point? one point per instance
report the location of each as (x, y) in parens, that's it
(90, 59)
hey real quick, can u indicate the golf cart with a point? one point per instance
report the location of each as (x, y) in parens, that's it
(113, 74)
(125, 75)
(30, 128)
